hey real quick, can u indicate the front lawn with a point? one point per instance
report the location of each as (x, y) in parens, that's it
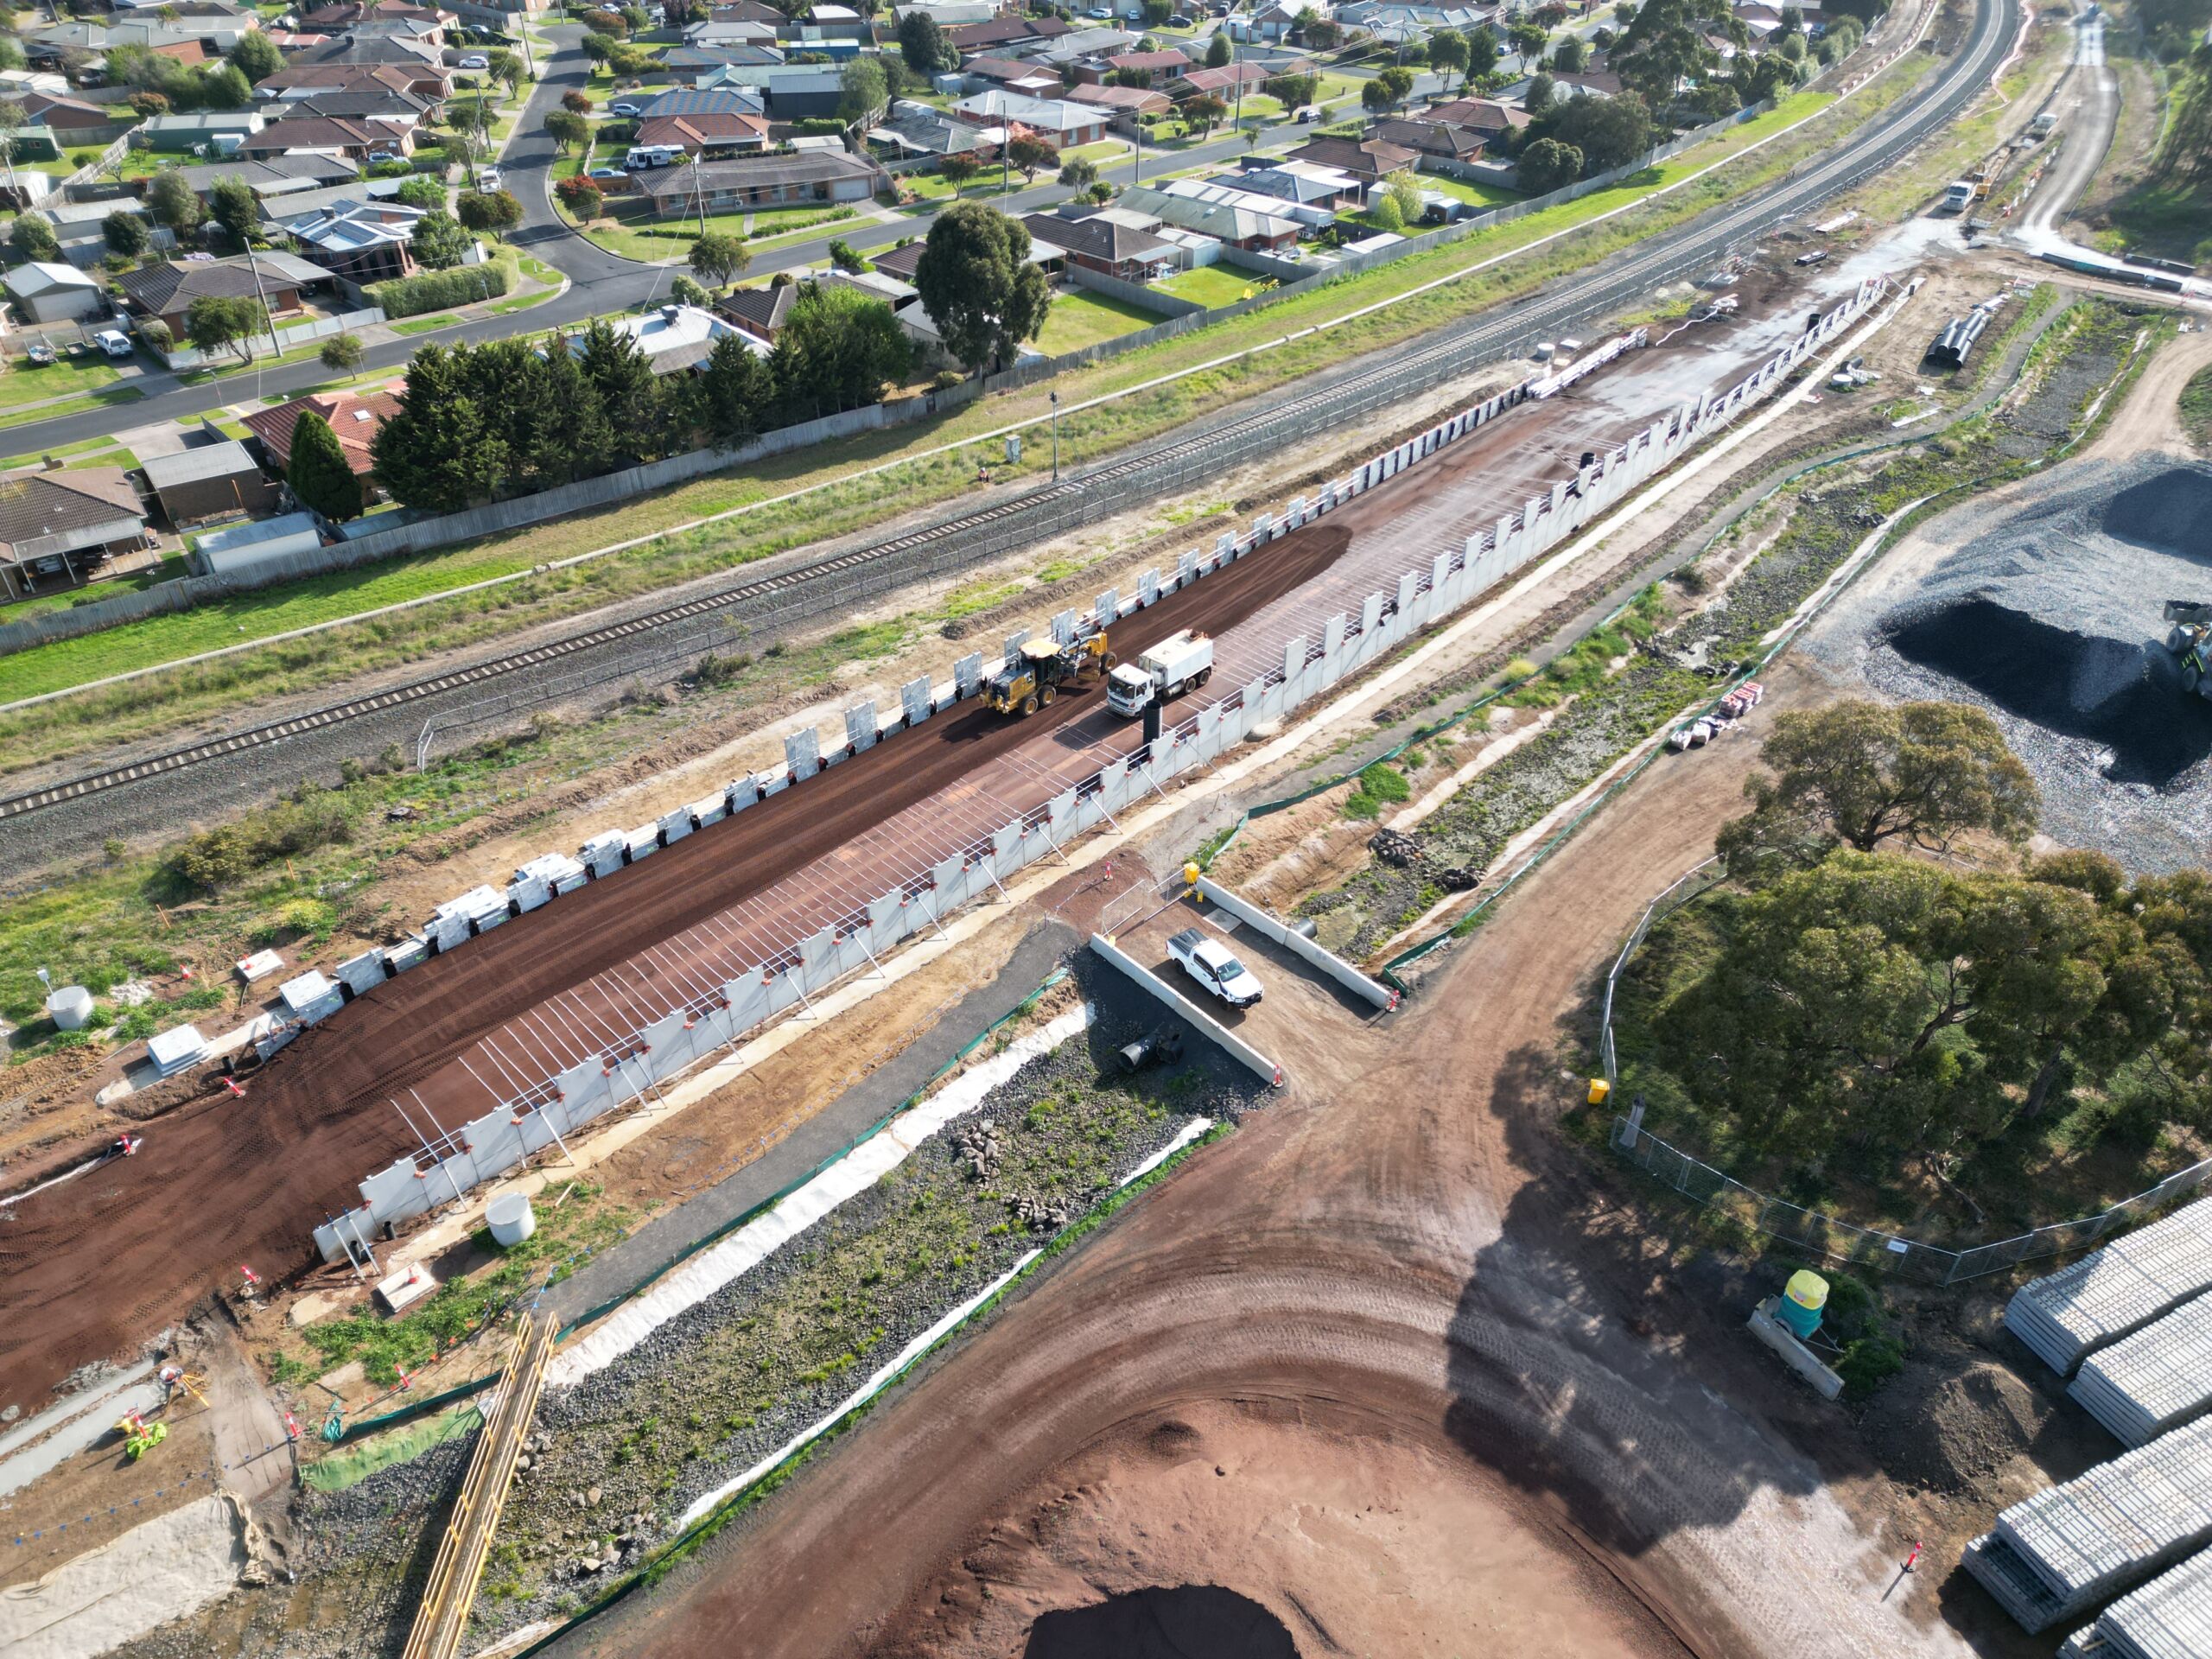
(671, 239)
(1080, 318)
(27, 382)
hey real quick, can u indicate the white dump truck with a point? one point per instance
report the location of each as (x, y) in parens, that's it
(1170, 668)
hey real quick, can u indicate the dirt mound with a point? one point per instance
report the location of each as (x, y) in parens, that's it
(1951, 1429)
(2169, 510)
(1181, 1621)
(2127, 697)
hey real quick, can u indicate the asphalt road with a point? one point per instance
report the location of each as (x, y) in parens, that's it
(131, 796)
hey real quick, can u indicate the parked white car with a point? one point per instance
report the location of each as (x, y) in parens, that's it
(487, 179)
(474, 61)
(625, 107)
(114, 342)
(1210, 962)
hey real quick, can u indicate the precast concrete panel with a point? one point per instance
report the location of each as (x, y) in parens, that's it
(1186, 569)
(748, 1001)
(860, 726)
(742, 793)
(1108, 611)
(1409, 585)
(1005, 843)
(709, 809)
(668, 1044)
(1293, 656)
(674, 826)
(886, 921)
(967, 674)
(1063, 626)
(1224, 548)
(447, 931)
(951, 876)
(1015, 642)
(492, 1142)
(1114, 786)
(1295, 514)
(1263, 530)
(1149, 587)
(1333, 635)
(364, 972)
(1370, 622)
(527, 894)
(602, 854)
(802, 754)
(384, 1192)
(1442, 599)
(814, 950)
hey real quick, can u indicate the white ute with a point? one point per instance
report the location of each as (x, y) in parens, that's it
(1170, 668)
(1209, 962)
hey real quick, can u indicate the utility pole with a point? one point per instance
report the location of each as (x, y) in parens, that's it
(1056, 437)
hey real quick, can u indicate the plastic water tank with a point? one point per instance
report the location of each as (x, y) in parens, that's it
(70, 1006)
(511, 1218)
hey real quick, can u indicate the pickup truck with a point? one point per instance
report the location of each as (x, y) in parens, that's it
(1210, 962)
(1182, 660)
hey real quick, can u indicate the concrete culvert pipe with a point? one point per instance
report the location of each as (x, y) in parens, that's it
(511, 1218)
(69, 1007)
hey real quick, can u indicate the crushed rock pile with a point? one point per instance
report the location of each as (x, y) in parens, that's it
(2050, 619)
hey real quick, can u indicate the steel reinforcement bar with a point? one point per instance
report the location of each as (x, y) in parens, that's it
(1155, 469)
(441, 1619)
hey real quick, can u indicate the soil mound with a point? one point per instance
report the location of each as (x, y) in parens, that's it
(1951, 1430)
(1183, 1621)
(2127, 697)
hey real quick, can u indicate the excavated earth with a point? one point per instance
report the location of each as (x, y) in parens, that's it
(226, 1180)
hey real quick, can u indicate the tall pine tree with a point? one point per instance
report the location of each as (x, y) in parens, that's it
(318, 472)
(628, 393)
(438, 452)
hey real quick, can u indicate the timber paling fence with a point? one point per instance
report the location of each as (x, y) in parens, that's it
(1813, 1229)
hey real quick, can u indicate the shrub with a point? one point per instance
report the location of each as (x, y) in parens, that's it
(1384, 783)
(229, 853)
(437, 290)
(296, 918)
(1867, 1363)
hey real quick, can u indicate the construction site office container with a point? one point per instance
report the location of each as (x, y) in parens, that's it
(604, 853)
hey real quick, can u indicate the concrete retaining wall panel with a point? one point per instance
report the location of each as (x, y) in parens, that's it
(364, 972)
(674, 826)
(802, 754)
(494, 1142)
(1204, 1023)
(860, 726)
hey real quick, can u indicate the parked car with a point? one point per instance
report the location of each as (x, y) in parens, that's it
(598, 172)
(1210, 962)
(625, 107)
(1817, 256)
(114, 342)
(474, 61)
(1179, 21)
(487, 178)
(1101, 13)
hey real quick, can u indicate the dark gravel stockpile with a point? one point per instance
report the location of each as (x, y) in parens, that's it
(2051, 618)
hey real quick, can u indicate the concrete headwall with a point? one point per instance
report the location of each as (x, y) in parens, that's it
(1346, 644)
(1318, 956)
(1204, 1023)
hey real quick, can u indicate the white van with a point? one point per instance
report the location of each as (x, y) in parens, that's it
(645, 155)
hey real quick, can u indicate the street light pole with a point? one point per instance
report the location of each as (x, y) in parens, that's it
(1056, 437)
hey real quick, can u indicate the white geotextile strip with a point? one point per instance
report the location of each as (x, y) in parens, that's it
(171, 1566)
(686, 1287)
(1190, 1132)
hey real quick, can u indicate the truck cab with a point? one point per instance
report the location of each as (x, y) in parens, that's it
(1178, 663)
(1960, 196)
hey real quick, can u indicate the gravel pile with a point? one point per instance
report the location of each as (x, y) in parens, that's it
(2049, 618)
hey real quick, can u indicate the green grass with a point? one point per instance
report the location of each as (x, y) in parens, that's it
(27, 382)
(2167, 221)
(167, 571)
(1215, 285)
(2197, 408)
(670, 239)
(73, 406)
(1080, 318)
(82, 447)
(1480, 195)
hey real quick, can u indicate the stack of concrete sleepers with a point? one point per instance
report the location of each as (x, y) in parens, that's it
(2169, 1617)
(2156, 1380)
(2052, 1555)
(2117, 1290)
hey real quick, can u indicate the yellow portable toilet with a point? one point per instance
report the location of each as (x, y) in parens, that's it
(1803, 1299)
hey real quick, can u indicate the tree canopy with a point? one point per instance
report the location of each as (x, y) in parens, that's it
(218, 322)
(1665, 46)
(1609, 131)
(1860, 774)
(1548, 165)
(976, 278)
(317, 471)
(719, 259)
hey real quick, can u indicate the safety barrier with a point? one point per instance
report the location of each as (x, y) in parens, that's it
(1204, 1023)
(1299, 945)
(454, 1161)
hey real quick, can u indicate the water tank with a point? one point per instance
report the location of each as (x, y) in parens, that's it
(1803, 1299)
(511, 1218)
(70, 1006)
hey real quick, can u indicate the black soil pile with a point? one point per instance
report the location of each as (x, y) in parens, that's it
(2171, 511)
(1184, 1621)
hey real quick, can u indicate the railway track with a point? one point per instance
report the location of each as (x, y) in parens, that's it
(1055, 505)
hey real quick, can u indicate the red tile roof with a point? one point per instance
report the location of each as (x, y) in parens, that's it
(355, 417)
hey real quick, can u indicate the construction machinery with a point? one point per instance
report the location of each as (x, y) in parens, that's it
(2191, 639)
(1178, 663)
(1037, 673)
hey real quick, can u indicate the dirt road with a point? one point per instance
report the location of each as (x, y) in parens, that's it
(100, 1262)
(1396, 1271)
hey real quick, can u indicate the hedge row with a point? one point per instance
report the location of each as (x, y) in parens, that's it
(436, 291)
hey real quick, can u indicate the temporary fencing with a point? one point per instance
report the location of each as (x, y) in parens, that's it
(721, 1011)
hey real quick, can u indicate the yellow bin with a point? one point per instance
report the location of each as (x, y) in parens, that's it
(1600, 1091)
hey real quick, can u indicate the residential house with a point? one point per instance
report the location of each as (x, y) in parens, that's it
(1306, 186)
(278, 210)
(356, 141)
(1011, 75)
(75, 123)
(1006, 36)
(1161, 66)
(1111, 248)
(361, 240)
(1223, 82)
(759, 312)
(218, 132)
(355, 417)
(722, 37)
(1367, 160)
(58, 528)
(1128, 106)
(348, 16)
(805, 92)
(1275, 21)
(278, 175)
(913, 129)
(1585, 83)
(80, 227)
(1492, 121)
(707, 136)
(756, 181)
(746, 11)
(377, 106)
(53, 292)
(372, 51)
(689, 66)
(677, 338)
(1064, 124)
(430, 83)
(1412, 15)
(217, 480)
(1430, 140)
(165, 292)
(1061, 55)
(948, 13)
(704, 100)
(1236, 224)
